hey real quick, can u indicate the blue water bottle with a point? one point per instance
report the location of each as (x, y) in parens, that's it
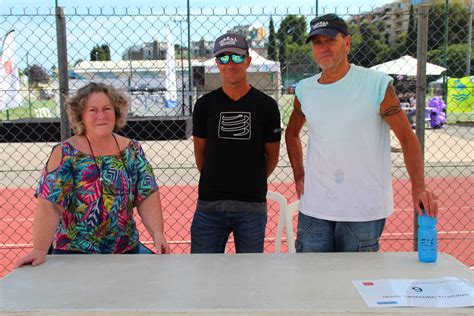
(427, 238)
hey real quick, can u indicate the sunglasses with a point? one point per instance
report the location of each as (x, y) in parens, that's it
(236, 59)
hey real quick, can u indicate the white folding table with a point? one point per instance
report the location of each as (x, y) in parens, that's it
(251, 284)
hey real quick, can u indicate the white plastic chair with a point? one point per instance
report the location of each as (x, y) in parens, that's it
(281, 200)
(290, 237)
(285, 219)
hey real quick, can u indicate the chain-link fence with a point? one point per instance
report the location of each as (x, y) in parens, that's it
(162, 54)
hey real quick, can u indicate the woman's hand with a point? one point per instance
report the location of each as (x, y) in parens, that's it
(161, 245)
(35, 258)
(152, 217)
(44, 225)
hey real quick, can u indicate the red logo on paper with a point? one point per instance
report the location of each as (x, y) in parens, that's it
(8, 67)
(368, 283)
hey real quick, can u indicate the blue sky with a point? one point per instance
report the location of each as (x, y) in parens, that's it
(36, 36)
(194, 3)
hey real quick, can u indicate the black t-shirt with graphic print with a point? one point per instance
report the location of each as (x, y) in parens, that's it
(235, 133)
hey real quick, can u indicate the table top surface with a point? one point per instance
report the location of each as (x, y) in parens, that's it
(225, 284)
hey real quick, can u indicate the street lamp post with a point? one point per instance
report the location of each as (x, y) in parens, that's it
(182, 63)
(190, 70)
(445, 49)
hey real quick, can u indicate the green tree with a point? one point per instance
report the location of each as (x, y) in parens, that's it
(54, 72)
(411, 36)
(293, 28)
(282, 51)
(456, 59)
(272, 44)
(37, 74)
(457, 25)
(101, 53)
(368, 45)
(399, 48)
(299, 61)
(299, 53)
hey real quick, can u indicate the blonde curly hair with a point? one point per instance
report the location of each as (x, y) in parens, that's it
(76, 105)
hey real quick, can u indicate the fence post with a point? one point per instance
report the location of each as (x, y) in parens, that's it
(421, 50)
(445, 50)
(469, 40)
(62, 71)
(190, 67)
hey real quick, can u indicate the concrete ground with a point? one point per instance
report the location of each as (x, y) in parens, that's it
(448, 152)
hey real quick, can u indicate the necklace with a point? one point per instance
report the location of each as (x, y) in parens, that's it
(97, 165)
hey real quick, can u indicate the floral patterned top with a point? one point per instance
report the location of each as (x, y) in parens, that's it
(98, 204)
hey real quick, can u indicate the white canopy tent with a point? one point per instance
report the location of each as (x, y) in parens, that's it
(407, 65)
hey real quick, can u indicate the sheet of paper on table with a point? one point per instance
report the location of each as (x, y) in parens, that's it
(438, 293)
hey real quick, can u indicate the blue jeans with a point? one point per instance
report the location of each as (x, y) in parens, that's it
(210, 231)
(319, 235)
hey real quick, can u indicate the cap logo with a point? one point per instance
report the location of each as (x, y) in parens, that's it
(228, 41)
(320, 24)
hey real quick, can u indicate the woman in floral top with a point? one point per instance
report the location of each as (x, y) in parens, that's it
(92, 182)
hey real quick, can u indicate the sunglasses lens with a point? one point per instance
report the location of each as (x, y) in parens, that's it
(238, 59)
(223, 59)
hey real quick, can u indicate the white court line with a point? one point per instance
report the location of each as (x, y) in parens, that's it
(450, 232)
(15, 245)
(442, 208)
(21, 219)
(9, 246)
(30, 219)
(461, 232)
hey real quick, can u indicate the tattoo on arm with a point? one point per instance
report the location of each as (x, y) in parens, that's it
(392, 110)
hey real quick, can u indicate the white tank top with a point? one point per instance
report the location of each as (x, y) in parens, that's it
(348, 167)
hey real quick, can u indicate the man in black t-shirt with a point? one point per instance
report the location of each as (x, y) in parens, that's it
(236, 135)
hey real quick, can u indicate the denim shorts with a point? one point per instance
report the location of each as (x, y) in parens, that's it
(319, 235)
(210, 231)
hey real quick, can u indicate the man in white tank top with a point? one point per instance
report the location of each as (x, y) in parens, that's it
(345, 188)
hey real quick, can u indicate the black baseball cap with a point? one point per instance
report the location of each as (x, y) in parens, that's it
(328, 25)
(231, 43)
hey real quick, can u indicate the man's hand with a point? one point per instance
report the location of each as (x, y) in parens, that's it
(299, 185)
(426, 199)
